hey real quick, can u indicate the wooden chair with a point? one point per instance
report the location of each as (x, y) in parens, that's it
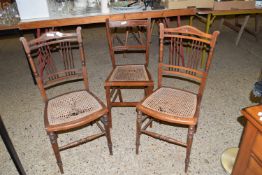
(53, 59)
(136, 34)
(177, 106)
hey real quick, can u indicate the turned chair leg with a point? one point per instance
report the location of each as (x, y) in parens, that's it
(148, 91)
(138, 130)
(191, 131)
(53, 140)
(108, 100)
(107, 132)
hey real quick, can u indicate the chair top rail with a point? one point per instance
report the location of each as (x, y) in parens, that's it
(187, 30)
(50, 38)
(129, 23)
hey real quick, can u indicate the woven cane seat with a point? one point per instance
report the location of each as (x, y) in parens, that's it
(71, 106)
(129, 73)
(172, 102)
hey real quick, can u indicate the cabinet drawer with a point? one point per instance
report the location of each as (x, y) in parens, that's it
(257, 146)
(253, 167)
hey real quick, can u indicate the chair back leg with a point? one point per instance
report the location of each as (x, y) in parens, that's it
(109, 106)
(120, 95)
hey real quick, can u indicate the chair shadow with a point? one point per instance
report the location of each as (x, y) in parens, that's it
(242, 121)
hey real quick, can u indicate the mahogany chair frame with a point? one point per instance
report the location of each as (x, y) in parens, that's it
(112, 87)
(178, 67)
(43, 54)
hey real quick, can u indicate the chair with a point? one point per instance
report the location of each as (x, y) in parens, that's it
(136, 34)
(180, 61)
(53, 59)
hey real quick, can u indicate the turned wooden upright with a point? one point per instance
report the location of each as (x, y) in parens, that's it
(249, 158)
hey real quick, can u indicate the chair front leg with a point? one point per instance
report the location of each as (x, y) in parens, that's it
(107, 132)
(138, 130)
(148, 91)
(191, 131)
(53, 139)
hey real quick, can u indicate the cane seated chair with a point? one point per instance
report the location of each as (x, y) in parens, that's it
(56, 59)
(126, 38)
(179, 59)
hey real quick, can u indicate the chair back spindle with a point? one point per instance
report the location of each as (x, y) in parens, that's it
(186, 55)
(52, 60)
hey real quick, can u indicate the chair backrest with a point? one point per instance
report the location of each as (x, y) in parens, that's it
(119, 40)
(52, 59)
(186, 53)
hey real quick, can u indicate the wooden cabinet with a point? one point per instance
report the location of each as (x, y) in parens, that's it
(249, 158)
